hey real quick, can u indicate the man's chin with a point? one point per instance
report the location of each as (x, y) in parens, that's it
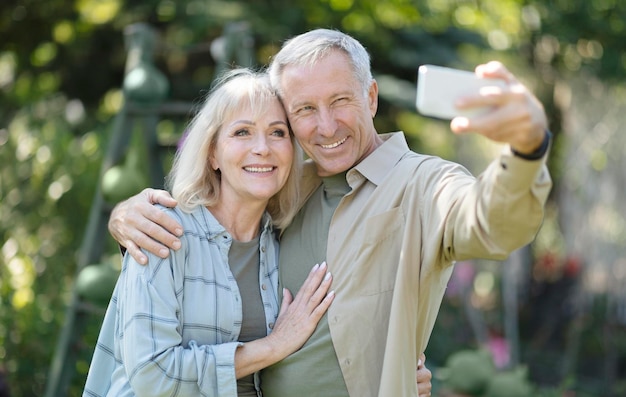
(333, 169)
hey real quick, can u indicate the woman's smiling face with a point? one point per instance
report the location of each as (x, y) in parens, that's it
(254, 154)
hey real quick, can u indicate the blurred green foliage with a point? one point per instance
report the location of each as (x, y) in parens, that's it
(62, 66)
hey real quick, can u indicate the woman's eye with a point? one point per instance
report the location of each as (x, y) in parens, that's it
(241, 132)
(279, 133)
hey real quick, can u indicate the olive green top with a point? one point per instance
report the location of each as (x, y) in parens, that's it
(313, 370)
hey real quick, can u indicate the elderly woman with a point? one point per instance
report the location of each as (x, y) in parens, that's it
(205, 319)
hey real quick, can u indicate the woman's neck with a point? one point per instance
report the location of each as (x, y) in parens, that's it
(241, 221)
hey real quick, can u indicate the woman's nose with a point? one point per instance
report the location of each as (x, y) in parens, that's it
(260, 145)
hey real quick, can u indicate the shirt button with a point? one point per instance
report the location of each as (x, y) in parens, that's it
(264, 287)
(263, 249)
(347, 361)
(271, 325)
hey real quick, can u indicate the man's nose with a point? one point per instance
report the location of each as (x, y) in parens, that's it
(326, 124)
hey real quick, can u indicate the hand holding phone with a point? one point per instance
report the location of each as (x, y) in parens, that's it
(438, 89)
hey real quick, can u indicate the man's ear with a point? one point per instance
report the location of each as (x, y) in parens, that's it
(372, 96)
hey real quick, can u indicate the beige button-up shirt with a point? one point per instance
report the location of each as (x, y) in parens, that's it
(393, 240)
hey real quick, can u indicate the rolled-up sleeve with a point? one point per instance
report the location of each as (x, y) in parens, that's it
(498, 212)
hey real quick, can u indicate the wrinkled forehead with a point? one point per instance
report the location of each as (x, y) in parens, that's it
(333, 73)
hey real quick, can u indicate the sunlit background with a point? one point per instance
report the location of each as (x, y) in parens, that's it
(556, 309)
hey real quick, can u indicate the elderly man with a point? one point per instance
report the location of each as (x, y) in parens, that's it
(389, 222)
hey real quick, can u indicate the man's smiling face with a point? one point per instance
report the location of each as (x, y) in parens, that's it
(330, 115)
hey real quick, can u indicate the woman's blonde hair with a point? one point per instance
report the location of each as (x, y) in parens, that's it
(192, 181)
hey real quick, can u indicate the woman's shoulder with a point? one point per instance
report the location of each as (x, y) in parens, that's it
(175, 212)
(196, 219)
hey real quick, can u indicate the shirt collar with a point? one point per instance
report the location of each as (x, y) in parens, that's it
(213, 228)
(377, 165)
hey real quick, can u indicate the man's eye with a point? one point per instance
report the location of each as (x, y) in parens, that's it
(305, 109)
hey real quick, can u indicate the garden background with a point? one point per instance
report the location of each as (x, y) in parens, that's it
(556, 309)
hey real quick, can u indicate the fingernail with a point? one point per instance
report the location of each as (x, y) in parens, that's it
(317, 265)
(327, 276)
(323, 265)
(462, 122)
(176, 245)
(459, 124)
(179, 232)
(163, 252)
(419, 362)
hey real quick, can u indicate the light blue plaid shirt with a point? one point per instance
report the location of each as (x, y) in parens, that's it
(171, 328)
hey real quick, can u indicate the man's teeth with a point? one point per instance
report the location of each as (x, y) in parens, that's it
(259, 169)
(333, 145)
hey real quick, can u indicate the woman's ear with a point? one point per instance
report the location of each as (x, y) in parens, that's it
(213, 163)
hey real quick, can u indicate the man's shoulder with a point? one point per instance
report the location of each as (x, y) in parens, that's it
(310, 180)
(395, 142)
(427, 161)
(309, 170)
(426, 171)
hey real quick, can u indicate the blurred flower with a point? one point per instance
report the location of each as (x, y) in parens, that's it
(499, 348)
(462, 277)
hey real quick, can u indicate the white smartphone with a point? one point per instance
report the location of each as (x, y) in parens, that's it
(439, 87)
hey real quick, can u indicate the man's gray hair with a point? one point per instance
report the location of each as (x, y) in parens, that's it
(310, 47)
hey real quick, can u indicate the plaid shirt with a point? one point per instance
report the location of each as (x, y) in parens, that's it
(172, 326)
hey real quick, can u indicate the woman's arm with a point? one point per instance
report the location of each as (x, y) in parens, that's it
(296, 322)
(150, 333)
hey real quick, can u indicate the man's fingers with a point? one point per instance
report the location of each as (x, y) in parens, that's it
(139, 239)
(160, 197)
(136, 253)
(423, 377)
(161, 228)
(495, 69)
(148, 211)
